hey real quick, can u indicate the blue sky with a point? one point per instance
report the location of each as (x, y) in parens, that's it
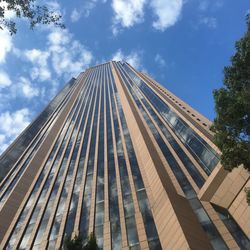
(183, 44)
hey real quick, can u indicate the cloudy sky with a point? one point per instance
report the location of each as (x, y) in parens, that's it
(183, 44)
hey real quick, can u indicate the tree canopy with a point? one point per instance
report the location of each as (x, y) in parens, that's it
(77, 243)
(232, 105)
(34, 13)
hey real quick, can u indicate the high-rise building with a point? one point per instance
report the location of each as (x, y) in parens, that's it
(116, 154)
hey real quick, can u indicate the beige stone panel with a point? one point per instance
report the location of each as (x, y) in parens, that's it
(230, 187)
(212, 184)
(226, 189)
(240, 210)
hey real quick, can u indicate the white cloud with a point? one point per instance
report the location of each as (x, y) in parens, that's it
(160, 61)
(4, 79)
(37, 55)
(127, 13)
(5, 44)
(59, 37)
(27, 89)
(68, 56)
(167, 12)
(134, 58)
(53, 6)
(40, 68)
(42, 73)
(131, 12)
(3, 143)
(86, 7)
(210, 22)
(11, 125)
(8, 14)
(75, 15)
(63, 56)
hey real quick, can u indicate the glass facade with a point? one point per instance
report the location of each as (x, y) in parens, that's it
(92, 178)
(14, 154)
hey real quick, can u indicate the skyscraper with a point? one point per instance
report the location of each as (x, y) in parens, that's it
(116, 154)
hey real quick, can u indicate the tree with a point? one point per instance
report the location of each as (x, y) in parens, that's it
(73, 244)
(91, 244)
(232, 105)
(77, 243)
(36, 14)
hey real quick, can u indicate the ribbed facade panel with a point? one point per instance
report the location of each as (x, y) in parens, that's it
(115, 154)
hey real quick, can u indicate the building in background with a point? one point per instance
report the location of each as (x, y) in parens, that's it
(116, 154)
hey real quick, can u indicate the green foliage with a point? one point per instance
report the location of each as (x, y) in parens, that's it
(91, 244)
(247, 190)
(232, 105)
(73, 244)
(35, 14)
(77, 243)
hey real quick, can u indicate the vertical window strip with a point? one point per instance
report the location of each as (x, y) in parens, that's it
(138, 216)
(238, 234)
(58, 228)
(99, 205)
(91, 223)
(106, 228)
(43, 183)
(128, 205)
(151, 232)
(114, 212)
(85, 208)
(205, 221)
(86, 161)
